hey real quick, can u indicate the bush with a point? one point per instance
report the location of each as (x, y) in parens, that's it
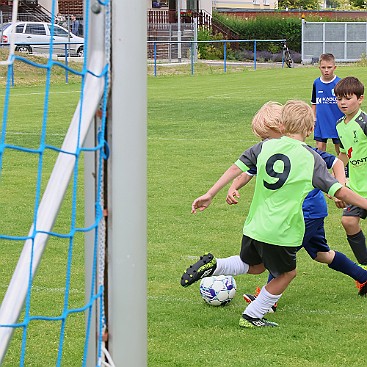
(210, 51)
(266, 28)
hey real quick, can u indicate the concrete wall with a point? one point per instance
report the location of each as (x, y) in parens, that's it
(47, 4)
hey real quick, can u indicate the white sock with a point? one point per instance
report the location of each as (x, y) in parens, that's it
(232, 265)
(262, 304)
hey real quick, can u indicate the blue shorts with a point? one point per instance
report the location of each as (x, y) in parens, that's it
(314, 239)
(322, 140)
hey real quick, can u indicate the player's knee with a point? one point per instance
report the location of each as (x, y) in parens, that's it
(325, 257)
(351, 225)
(256, 269)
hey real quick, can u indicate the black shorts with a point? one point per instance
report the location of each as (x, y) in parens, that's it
(322, 140)
(276, 259)
(354, 211)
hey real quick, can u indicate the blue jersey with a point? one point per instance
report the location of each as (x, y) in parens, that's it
(314, 206)
(327, 111)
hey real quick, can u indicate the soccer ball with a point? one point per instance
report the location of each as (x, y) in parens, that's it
(218, 290)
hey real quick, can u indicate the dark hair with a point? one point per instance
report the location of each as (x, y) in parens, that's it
(348, 86)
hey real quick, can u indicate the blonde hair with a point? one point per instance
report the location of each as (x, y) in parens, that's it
(268, 118)
(297, 118)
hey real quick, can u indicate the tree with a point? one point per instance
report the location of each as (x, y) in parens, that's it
(300, 4)
(362, 4)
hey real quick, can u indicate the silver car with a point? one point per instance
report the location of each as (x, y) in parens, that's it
(35, 37)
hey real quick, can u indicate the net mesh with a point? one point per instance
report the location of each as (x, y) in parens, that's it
(49, 101)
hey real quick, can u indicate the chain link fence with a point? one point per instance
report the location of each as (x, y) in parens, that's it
(347, 41)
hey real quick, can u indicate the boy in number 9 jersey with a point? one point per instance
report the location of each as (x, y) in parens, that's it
(287, 170)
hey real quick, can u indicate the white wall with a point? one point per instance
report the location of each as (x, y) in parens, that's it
(47, 4)
(206, 5)
(246, 4)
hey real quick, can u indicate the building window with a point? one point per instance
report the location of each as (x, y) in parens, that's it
(193, 5)
(256, 2)
(266, 2)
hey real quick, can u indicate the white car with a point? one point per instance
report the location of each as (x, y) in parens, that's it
(36, 37)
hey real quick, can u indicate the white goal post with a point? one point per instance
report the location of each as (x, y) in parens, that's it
(126, 255)
(14, 298)
(127, 275)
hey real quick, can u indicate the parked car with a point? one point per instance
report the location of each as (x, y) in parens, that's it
(36, 37)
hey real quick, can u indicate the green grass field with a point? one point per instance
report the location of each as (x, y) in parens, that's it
(197, 127)
(17, 184)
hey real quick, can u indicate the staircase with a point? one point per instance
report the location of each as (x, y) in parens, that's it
(162, 26)
(167, 47)
(28, 10)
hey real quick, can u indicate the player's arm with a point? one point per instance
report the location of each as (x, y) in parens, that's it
(246, 161)
(204, 201)
(313, 107)
(347, 195)
(344, 158)
(237, 183)
(339, 174)
(339, 171)
(313, 101)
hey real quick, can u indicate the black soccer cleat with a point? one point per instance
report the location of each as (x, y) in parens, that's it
(252, 322)
(202, 268)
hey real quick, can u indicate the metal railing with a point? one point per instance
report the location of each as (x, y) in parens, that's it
(194, 45)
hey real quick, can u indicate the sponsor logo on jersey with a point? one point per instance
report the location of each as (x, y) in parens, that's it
(358, 162)
(326, 100)
(355, 137)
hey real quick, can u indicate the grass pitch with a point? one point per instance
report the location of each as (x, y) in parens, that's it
(198, 126)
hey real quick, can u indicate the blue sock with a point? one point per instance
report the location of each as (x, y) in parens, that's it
(270, 277)
(345, 265)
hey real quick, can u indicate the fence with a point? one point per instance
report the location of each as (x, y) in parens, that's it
(193, 45)
(347, 41)
(164, 40)
(65, 56)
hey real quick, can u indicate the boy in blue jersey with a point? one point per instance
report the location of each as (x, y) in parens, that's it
(287, 170)
(324, 104)
(314, 208)
(352, 130)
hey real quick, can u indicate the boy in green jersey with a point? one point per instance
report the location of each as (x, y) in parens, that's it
(287, 170)
(314, 207)
(352, 131)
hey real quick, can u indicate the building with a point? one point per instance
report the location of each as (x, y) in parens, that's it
(246, 4)
(208, 5)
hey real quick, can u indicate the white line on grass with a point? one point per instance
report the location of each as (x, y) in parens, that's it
(197, 139)
(40, 93)
(56, 290)
(50, 290)
(30, 134)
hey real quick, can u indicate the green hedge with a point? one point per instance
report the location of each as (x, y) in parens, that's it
(266, 28)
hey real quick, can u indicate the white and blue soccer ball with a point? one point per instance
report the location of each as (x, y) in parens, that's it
(218, 290)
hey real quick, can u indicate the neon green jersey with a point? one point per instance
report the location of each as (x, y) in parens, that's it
(353, 139)
(287, 170)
